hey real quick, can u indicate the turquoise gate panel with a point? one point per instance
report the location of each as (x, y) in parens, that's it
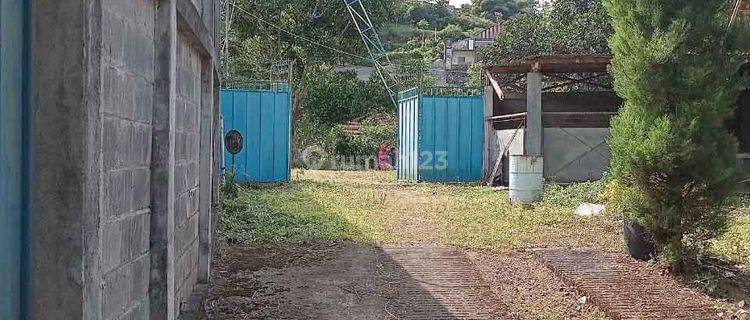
(451, 138)
(263, 117)
(12, 77)
(441, 135)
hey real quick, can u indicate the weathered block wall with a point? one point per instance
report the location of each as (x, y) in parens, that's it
(127, 98)
(187, 156)
(124, 147)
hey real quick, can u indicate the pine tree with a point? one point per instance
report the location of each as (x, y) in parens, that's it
(676, 64)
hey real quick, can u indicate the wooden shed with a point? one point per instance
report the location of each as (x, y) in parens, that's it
(558, 106)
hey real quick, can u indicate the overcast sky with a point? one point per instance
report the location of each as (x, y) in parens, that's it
(458, 3)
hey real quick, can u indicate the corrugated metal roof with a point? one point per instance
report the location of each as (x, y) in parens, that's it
(555, 63)
(489, 33)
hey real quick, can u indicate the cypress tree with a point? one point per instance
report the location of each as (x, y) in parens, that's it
(677, 67)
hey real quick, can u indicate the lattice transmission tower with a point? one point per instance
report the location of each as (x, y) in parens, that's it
(374, 46)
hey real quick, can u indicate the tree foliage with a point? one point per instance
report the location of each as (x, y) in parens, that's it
(561, 27)
(676, 66)
(499, 9)
(338, 97)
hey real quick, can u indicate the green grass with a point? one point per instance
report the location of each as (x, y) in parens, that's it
(372, 207)
(735, 244)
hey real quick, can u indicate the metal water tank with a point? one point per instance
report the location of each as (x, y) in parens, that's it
(526, 178)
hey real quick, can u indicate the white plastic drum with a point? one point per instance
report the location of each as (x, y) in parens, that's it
(526, 178)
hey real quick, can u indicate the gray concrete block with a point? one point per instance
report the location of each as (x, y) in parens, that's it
(110, 135)
(113, 44)
(117, 192)
(144, 97)
(135, 232)
(139, 312)
(124, 240)
(124, 287)
(141, 145)
(141, 273)
(185, 235)
(139, 52)
(118, 92)
(185, 206)
(111, 247)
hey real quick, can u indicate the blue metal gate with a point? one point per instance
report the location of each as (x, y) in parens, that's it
(11, 156)
(263, 117)
(441, 135)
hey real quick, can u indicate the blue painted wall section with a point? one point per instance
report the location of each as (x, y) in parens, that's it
(449, 135)
(11, 156)
(263, 117)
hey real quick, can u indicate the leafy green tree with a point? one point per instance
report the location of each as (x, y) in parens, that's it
(495, 8)
(423, 24)
(337, 97)
(676, 65)
(436, 14)
(562, 27)
(452, 32)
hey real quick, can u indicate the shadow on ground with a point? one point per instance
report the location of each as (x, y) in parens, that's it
(304, 274)
(346, 281)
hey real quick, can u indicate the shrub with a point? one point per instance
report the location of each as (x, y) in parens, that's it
(677, 68)
(229, 187)
(571, 196)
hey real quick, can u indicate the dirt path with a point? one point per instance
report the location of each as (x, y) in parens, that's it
(355, 281)
(348, 281)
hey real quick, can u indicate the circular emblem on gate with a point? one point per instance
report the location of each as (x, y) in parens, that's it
(233, 142)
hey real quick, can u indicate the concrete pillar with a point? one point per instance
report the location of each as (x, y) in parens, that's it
(205, 227)
(64, 253)
(162, 280)
(534, 126)
(218, 156)
(490, 138)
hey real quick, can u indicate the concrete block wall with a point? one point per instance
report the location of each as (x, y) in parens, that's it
(575, 154)
(187, 156)
(126, 95)
(127, 75)
(570, 154)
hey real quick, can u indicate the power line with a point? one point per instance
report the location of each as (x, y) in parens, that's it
(294, 35)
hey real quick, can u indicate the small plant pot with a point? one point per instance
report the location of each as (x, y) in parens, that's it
(639, 242)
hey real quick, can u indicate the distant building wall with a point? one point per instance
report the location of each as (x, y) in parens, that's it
(363, 73)
(124, 148)
(463, 58)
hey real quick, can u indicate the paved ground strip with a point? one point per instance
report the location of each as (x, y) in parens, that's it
(624, 288)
